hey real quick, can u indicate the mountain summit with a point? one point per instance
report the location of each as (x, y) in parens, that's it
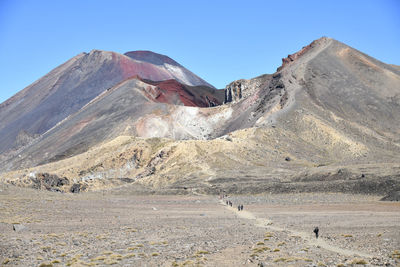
(72, 85)
(151, 57)
(168, 65)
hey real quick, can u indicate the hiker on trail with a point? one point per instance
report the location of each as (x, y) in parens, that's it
(238, 207)
(227, 203)
(230, 203)
(316, 230)
(241, 207)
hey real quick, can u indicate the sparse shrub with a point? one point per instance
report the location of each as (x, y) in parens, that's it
(117, 257)
(53, 235)
(155, 254)
(46, 264)
(321, 264)
(260, 249)
(99, 258)
(110, 262)
(268, 234)
(276, 250)
(260, 243)
(281, 244)
(396, 254)
(130, 255)
(359, 261)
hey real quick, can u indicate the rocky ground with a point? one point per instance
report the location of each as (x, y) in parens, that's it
(117, 227)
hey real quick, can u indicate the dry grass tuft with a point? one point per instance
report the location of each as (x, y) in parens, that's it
(359, 261)
(280, 260)
(110, 262)
(260, 249)
(268, 234)
(396, 254)
(99, 258)
(117, 257)
(347, 235)
(129, 255)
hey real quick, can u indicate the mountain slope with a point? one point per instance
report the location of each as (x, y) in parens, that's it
(325, 121)
(69, 87)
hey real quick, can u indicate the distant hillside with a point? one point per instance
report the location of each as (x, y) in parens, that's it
(327, 120)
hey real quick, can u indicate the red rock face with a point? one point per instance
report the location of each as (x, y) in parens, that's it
(131, 68)
(173, 92)
(290, 58)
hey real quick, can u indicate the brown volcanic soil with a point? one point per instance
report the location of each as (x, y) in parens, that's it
(116, 227)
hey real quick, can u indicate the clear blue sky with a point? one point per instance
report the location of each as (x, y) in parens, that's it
(219, 40)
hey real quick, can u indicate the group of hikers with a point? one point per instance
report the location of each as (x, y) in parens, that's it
(240, 207)
(229, 203)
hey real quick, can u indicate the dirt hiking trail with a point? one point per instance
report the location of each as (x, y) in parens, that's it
(307, 237)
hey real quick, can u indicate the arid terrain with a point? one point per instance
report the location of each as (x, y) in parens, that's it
(122, 159)
(118, 227)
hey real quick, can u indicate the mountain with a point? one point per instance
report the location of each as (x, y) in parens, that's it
(72, 85)
(327, 120)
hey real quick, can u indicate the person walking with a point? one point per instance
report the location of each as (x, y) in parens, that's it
(316, 231)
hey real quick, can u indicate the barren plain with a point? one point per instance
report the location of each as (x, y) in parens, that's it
(117, 227)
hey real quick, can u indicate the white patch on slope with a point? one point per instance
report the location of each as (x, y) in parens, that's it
(190, 121)
(156, 127)
(178, 73)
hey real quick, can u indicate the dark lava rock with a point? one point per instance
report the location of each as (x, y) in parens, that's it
(392, 196)
(49, 182)
(76, 188)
